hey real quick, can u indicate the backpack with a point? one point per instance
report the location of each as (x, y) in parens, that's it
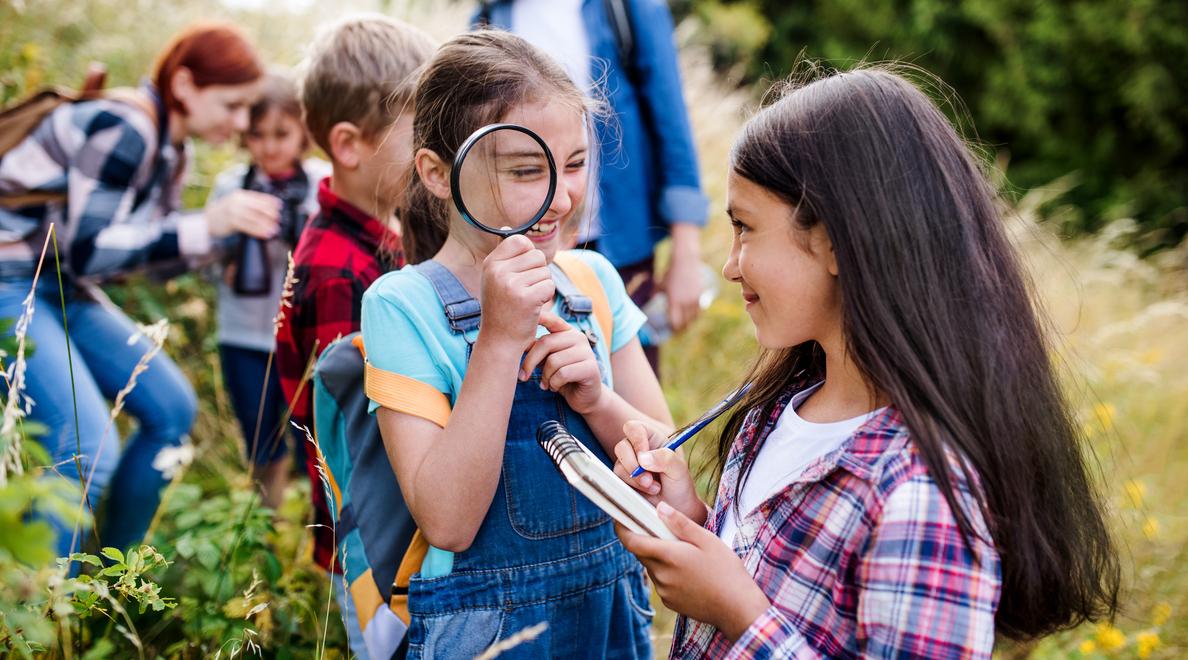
(378, 544)
(18, 121)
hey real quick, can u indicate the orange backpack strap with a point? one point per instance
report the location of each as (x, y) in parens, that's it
(586, 280)
(414, 557)
(401, 393)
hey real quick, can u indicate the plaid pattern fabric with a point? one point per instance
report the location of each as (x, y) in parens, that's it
(340, 253)
(860, 556)
(122, 183)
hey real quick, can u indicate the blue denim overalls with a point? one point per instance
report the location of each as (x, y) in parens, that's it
(544, 553)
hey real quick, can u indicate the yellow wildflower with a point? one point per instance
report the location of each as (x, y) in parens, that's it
(1151, 528)
(1135, 492)
(1161, 613)
(1109, 637)
(1088, 646)
(1151, 357)
(1146, 642)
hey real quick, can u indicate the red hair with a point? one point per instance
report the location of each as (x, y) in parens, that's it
(214, 53)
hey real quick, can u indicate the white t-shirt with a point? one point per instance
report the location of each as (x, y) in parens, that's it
(555, 26)
(791, 447)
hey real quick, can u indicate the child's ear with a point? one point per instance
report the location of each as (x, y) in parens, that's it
(821, 246)
(433, 171)
(346, 144)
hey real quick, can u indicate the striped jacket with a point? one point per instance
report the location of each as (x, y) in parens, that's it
(860, 557)
(123, 190)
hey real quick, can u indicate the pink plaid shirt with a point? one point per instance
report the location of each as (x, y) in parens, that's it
(860, 557)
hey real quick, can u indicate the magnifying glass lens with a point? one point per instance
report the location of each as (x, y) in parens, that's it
(505, 181)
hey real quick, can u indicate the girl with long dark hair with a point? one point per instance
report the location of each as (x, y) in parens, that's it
(904, 476)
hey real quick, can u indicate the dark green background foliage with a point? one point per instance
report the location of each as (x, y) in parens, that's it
(1095, 88)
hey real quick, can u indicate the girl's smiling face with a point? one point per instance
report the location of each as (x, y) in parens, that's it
(788, 274)
(563, 129)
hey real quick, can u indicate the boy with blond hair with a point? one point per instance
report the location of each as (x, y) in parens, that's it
(357, 84)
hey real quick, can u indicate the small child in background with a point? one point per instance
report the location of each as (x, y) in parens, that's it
(253, 274)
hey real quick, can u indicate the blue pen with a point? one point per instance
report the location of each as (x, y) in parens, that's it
(691, 430)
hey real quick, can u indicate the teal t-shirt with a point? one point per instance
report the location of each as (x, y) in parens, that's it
(405, 331)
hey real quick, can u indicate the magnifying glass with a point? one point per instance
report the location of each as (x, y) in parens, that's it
(503, 179)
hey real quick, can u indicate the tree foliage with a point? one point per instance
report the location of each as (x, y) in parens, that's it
(1094, 88)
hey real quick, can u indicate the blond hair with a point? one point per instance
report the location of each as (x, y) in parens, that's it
(361, 70)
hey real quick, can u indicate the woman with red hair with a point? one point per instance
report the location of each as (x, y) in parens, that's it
(112, 170)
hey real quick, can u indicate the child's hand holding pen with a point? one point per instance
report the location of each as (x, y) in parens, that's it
(666, 477)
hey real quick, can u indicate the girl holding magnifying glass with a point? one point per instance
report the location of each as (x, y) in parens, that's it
(512, 545)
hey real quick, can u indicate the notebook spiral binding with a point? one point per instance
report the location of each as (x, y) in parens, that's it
(557, 441)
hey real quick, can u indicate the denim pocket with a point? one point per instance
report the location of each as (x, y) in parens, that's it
(639, 597)
(463, 634)
(540, 503)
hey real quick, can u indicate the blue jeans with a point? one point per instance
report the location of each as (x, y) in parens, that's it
(104, 355)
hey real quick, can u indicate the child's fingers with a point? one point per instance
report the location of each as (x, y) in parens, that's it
(638, 434)
(562, 359)
(580, 371)
(664, 461)
(553, 323)
(511, 247)
(540, 349)
(542, 291)
(682, 526)
(626, 463)
(649, 550)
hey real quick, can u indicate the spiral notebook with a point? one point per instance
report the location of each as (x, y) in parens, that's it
(582, 469)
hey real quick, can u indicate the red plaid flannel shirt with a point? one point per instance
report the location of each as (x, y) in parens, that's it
(860, 557)
(337, 258)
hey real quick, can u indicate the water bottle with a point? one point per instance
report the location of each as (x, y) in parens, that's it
(253, 274)
(656, 329)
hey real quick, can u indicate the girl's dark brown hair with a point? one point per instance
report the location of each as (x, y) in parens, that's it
(474, 80)
(938, 315)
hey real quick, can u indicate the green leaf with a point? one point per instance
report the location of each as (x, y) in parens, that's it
(113, 554)
(85, 558)
(208, 554)
(31, 543)
(272, 568)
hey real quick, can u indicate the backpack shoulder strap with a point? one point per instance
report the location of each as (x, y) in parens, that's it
(401, 393)
(586, 280)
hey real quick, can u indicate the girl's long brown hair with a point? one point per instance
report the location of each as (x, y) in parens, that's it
(938, 315)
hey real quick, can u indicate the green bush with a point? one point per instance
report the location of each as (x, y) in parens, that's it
(1092, 87)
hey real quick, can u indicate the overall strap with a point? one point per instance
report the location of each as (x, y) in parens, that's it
(573, 302)
(461, 309)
